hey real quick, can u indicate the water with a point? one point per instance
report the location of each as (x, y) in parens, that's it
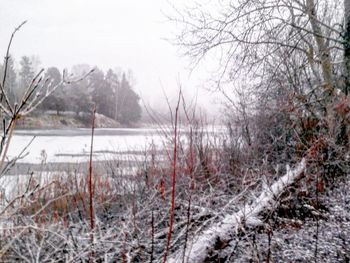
(73, 145)
(48, 153)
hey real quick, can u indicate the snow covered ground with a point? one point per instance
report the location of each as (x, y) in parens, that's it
(303, 241)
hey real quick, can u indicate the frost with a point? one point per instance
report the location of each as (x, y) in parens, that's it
(233, 223)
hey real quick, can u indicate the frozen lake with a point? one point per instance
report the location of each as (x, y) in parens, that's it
(66, 150)
(73, 145)
(55, 154)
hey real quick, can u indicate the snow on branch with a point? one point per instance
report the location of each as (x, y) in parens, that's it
(247, 216)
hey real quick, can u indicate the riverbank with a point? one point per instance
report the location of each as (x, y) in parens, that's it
(62, 120)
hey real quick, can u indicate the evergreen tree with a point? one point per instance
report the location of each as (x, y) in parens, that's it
(78, 98)
(26, 72)
(128, 103)
(11, 84)
(57, 100)
(101, 92)
(112, 82)
(114, 99)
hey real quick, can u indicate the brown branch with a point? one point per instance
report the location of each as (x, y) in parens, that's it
(7, 57)
(91, 186)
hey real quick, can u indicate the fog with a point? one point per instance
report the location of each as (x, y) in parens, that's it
(87, 176)
(122, 35)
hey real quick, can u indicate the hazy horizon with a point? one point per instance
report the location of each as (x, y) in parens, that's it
(126, 35)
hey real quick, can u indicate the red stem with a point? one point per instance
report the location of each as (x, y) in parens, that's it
(171, 220)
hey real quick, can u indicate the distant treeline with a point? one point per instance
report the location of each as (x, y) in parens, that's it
(111, 92)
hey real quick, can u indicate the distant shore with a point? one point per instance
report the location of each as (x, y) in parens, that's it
(62, 120)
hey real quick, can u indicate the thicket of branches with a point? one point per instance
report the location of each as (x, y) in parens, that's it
(284, 69)
(202, 198)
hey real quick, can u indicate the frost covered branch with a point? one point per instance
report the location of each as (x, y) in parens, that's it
(247, 216)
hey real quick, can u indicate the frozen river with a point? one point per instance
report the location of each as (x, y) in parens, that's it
(73, 145)
(66, 150)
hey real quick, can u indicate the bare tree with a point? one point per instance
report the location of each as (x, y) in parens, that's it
(17, 224)
(291, 58)
(290, 48)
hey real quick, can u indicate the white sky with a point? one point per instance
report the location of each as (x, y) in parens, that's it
(127, 34)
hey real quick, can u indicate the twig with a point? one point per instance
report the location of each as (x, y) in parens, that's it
(91, 190)
(247, 216)
(190, 165)
(269, 236)
(21, 155)
(187, 225)
(152, 233)
(317, 219)
(7, 57)
(12, 126)
(171, 220)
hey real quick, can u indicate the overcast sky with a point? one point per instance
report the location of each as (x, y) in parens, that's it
(127, 34)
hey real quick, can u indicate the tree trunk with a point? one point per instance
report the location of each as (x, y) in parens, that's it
(323, 49)
(204, 244)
